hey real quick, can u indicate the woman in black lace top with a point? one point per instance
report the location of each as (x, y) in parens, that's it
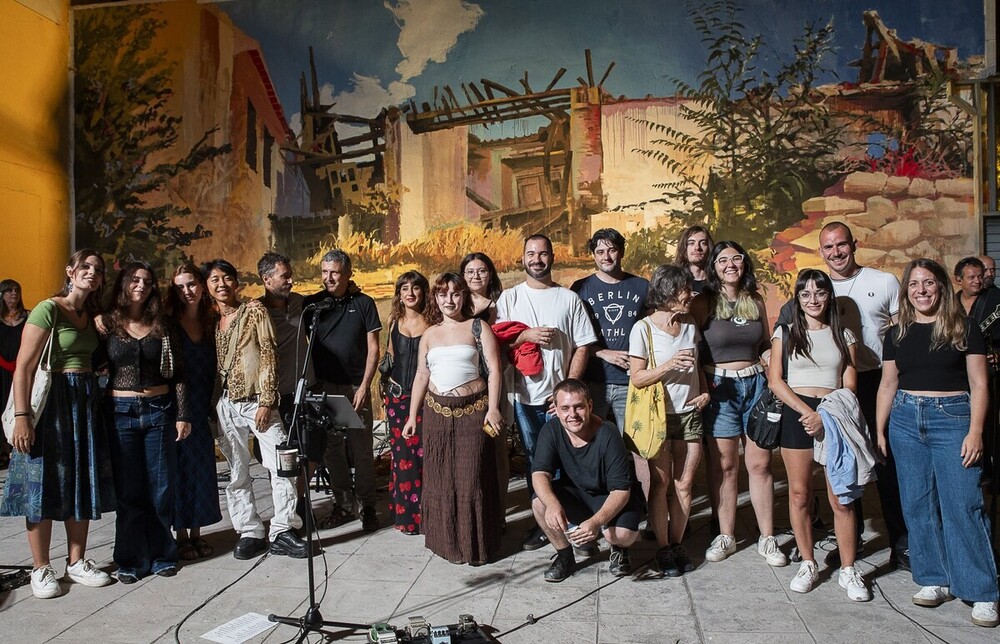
(150, 414)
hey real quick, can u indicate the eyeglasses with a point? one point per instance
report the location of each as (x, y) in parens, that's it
(736, 260)
(472, 272)
(819, 296)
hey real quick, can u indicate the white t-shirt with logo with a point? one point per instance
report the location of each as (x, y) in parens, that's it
(867, 303)
(556, 307)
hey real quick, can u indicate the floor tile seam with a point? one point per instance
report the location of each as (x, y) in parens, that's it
(699, 631)
(412, 584)
(93, 613)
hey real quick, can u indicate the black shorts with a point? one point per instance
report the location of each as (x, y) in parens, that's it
(580, 505)
(793, 434)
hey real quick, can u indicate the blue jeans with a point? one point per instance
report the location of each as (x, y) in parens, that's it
(730, 403)
(942, 503)
(144, 454)
(608, 396)
(530, 419)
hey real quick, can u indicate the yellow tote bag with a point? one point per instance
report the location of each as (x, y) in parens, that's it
(646, 412)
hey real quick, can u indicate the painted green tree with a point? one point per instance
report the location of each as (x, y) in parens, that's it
(126, 140)
(765, 140)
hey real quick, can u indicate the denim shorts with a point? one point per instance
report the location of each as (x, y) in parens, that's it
(731, 400)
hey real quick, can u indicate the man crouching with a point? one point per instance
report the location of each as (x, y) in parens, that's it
(593, 492)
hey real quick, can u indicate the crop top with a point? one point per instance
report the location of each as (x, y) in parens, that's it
(134, 365)
(404, 358)
(453, 365)
(727, 341)
(921, 369)
(71, 347)
(824, 367)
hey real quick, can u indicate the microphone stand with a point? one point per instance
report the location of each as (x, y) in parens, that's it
(313, 619)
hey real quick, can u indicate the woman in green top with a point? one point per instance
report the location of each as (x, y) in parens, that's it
(60, 469)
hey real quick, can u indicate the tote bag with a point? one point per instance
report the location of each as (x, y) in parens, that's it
(646, 412)
(39, 388)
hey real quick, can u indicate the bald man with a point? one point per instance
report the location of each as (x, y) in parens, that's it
(989, 271)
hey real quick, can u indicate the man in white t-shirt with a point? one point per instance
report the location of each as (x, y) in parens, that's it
(557, 322)
(868, 302)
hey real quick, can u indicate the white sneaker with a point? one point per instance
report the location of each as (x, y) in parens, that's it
(44, 584)
(852, 581)
(805, 578)
(720, 548)
(87, 573)
(767, 547)
(985, 614)
(932, 596)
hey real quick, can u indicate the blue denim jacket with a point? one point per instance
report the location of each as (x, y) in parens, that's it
(841, 464)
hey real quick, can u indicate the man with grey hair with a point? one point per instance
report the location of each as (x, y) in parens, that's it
(345, 355)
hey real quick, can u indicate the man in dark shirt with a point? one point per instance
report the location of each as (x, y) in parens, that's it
(593, 494)
(615, 300)
(345, 355)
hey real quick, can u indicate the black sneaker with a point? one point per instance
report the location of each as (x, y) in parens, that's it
(900, 559)
(536, 539)
(291, 545)
(682, 559)
(666, 563)
(561, 568)
(169, 571)
(369, 519)
(619, 565)
(587, 550)
(249, 547)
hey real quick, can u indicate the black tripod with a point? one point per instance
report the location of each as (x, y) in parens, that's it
(313, 619)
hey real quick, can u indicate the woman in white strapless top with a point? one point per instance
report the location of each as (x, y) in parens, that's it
(460, 515)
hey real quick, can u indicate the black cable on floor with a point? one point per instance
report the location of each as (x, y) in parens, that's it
(177, 629)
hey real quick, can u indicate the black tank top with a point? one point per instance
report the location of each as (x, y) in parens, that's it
(404, 364)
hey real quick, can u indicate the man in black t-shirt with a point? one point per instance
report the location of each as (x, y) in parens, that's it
(615, 300)
(345, 355)
(593, 494)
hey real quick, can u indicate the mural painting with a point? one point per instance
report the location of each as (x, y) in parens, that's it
(412, 132)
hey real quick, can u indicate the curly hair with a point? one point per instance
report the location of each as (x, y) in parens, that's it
(432, 313)
(666, 282)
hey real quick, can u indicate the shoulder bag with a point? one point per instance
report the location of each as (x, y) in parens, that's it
(646, 412)
(385, 362)
(764, 427)
(39, 388)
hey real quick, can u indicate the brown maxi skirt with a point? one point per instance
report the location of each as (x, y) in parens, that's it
(460, 515)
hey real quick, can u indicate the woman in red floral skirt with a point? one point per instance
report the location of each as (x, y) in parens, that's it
(406, 325)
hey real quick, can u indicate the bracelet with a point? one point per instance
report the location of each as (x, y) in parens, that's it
(23, 413)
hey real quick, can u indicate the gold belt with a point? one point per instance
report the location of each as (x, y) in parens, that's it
(456, 412)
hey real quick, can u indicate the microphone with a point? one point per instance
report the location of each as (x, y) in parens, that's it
(322, 305)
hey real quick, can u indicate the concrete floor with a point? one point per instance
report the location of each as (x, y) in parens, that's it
(387, 576)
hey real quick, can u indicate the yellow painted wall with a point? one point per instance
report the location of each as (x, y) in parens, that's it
(34, 144)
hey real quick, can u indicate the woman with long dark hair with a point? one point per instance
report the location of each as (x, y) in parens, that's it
(13, 315)
(460, 517)
(820, 356)
(931, 409)
(196, 493)
(733, 323)
(149, 410)
(406, 326)
(484, 285)
(61, 468)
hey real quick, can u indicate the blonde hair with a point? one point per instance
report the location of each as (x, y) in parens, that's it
(949, 321)
(746, 307)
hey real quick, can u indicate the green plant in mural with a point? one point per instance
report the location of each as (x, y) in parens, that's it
(764, 140)
(126, 140)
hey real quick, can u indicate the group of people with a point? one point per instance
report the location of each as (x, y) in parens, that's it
(892, 382)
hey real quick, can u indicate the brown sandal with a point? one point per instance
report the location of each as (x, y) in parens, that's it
(187, 551)
(203, 547)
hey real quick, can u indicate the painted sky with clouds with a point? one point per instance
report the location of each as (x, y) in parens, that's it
(371, 53)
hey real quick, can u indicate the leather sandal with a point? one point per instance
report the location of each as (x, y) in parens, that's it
(187, 551)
